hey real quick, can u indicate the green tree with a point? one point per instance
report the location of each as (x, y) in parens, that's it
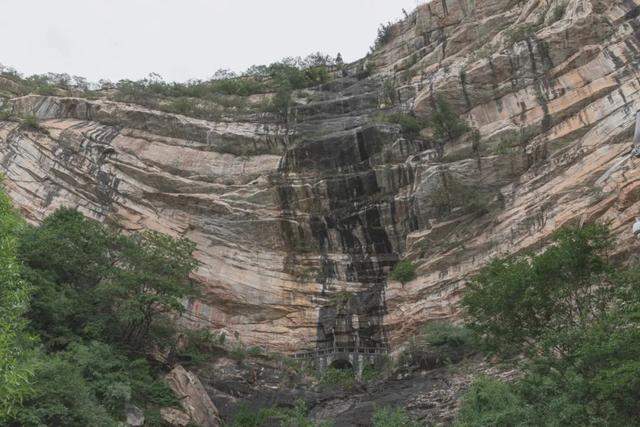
(404, 271)
(152, 280)
(516, 300)
(446, 124)
(16, 352)
(577, 317)
(92, 283)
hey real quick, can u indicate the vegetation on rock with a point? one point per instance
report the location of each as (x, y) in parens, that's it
(82, 306)
(575, 315)
(404, 271)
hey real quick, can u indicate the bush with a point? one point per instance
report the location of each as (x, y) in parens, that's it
(385, 33)
(392, 417)
(411, 126)
(99, 301)
(338, 378)
(17, 356)
(451, 194)
(446, 124)
(520, 32)
(30, 122)
(403, 272)
(439, 344)
(389, 92)
(491, 402)
(286, 417)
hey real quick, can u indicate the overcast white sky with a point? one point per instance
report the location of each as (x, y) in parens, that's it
(182, 39)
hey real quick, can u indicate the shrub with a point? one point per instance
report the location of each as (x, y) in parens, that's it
(439, 344)
(389, 92)
(238, 353)
(286, 417)
(446, 124)
(341, 378)
(516, 300)
(559, 11)
(450, 194)
(30, 122)
(411, 126)
(520, 32)
(255, 351)
(385, 33)
(392, 417)
(403, 272)
(16, 354)
(491, 402)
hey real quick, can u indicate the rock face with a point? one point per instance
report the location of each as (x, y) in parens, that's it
(194, 399)
(298, 225)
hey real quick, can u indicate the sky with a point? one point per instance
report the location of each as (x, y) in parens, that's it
(182, 39)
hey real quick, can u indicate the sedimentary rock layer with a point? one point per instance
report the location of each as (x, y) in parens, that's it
(290, 218)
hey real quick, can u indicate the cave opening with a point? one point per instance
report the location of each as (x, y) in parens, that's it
(341, 364)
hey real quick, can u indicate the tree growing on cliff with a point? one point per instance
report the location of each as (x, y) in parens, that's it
(446, 123)
(404, 271)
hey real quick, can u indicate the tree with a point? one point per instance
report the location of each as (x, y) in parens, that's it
(516, 300)
(403, 272)
(91, 282)
(576, 316)
(16, 352)
(446, 124)
(151, 282)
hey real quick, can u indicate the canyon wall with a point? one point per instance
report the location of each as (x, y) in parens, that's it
(298, 224)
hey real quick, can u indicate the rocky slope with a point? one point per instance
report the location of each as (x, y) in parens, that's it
(298, 225)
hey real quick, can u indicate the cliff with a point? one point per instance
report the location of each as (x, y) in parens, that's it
(298, 224)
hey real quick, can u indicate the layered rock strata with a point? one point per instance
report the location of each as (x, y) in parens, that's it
(298, 225)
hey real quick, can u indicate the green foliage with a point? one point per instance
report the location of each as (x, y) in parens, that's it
(451, 194)
(439, 344)
(403, 272)
(16, 355)
(89, 385)
(285, 417)
(255, 351)
(491, 402)
(238, 353)
(515, 301)
(30, 122)
(200, 346)
(100, 302)
(92, 283)
(559, 11)
(520, 32)
(392, 417)
(411, 126)
(577, 317)
(389, 92)
(385, 33)
(338, 378)
(280, 77)
(445, 122)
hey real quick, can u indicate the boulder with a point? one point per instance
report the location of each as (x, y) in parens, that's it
(193, 397)
(175, 417)
(135, 416)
